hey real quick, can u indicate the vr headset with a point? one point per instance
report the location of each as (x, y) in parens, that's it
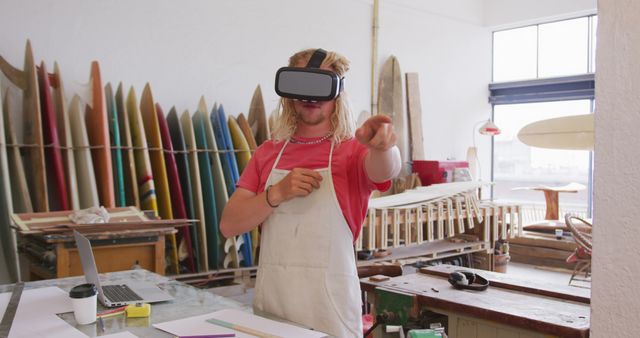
(468, 280)
(309, 83)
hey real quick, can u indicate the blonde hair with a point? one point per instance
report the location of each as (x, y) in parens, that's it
(342, 124)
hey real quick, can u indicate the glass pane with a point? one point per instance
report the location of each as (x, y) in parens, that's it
(514, 54)
(517, 165)
(563, 48)
(594, 29)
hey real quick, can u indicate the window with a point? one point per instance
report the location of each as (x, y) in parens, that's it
(540, 72)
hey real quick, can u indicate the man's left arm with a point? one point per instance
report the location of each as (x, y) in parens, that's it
(382, 161)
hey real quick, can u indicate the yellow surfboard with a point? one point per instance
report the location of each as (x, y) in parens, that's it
(152, 132)
(240, 144)
(144, 174)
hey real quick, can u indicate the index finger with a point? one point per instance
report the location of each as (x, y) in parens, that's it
(379, 119)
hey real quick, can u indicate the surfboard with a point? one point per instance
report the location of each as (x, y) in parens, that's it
(146, 184)
(196, 186)
(131, 193)
(228, 144)
(4, 164)
(567, 132)
(391, 104)
(158, 166)
(177, 199)
(152, 132)
(57, 192)
(8, 247)
(116, 152)
(208, 194)
(258, 117)
(64, 135)
(246, 131)
(98, 130)
(32, 134)
(184, 174)
(223, 154)
(21, 201)
(87, 188)
(240, 144)
(243, 124)
(221, 197)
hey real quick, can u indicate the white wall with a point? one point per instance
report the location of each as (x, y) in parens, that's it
(223, 49)
(509, 13)
(616, 256)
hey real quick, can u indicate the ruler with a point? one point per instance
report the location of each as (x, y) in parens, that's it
(10, 312)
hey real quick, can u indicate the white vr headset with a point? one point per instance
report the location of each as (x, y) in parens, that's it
(309, 83)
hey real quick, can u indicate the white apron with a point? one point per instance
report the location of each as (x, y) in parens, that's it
(307, 272)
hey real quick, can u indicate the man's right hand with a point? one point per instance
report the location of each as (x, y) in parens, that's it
(299, 182)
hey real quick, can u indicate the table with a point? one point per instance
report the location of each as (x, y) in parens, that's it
(551, 197)
(508, 308)
(188, 302)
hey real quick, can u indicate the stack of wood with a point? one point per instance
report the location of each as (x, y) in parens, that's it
(542, 249)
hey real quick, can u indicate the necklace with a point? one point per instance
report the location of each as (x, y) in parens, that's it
(323, 138)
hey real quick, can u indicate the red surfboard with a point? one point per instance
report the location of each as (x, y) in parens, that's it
(177, 199)
(58, 195)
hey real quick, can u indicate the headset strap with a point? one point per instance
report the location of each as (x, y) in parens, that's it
(316, 59)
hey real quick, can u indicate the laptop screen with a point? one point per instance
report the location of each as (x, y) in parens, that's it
(88, 262)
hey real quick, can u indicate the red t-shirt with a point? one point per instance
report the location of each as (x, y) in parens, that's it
(352, 184)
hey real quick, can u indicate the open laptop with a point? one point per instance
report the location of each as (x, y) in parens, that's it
(116, 295)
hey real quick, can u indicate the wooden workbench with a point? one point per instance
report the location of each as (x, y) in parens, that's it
(521, 310)
(115, 251)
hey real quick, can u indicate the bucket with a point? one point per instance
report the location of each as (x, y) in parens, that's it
(500, 262)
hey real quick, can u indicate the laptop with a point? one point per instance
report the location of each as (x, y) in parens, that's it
(116, 295)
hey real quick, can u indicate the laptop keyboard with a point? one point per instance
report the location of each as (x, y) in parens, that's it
(120, 293)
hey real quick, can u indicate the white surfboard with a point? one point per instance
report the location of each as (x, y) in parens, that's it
(568, 133)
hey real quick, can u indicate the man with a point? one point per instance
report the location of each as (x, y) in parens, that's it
(309, 188)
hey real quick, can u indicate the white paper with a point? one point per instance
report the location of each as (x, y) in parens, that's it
(123, 334)
(199, 326)
(36, 314)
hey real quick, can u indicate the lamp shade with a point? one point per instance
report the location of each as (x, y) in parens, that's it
(568, 132)
(489, 128)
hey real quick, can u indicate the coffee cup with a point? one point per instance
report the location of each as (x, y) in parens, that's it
(84, 298)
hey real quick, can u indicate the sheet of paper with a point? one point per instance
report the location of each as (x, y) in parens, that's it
(198, 326)
(123, 334)
(36, 314)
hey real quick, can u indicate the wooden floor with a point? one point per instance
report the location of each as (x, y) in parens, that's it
(244, 293)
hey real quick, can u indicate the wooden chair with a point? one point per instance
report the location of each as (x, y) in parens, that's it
(582, 254)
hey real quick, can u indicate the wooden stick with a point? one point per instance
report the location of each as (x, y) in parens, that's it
(419, 225)
(240, 328)
(450, 215)
(440, 218)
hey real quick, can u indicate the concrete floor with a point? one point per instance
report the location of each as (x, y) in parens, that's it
(244, 293)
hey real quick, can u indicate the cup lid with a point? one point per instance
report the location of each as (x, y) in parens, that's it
(83, 291)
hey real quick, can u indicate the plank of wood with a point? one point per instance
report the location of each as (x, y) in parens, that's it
(534, 251)
(390, 103)
(414, 108)
(545, 241)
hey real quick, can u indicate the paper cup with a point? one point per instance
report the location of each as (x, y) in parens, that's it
(84, 299)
